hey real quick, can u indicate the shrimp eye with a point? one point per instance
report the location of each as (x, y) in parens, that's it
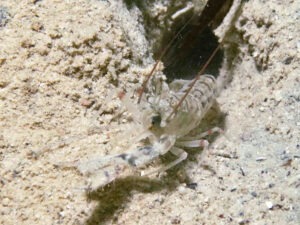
(156, 120)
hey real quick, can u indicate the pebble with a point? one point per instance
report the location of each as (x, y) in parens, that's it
(262, 109)
(62, 214)
(4, 16)
(5, 201)
(277, 96)
(86, 103)
(260, 159)
(192, 186)
(254, 194)
(269, 204)
(181, 189)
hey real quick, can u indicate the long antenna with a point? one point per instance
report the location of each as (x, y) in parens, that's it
(191, 85)
(141, 91)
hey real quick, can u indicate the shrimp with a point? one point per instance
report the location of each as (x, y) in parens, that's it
(166, 115)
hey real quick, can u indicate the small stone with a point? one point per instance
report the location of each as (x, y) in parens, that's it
(262, 109)
(181, 189)
(3, 83)
(192, 186)
(37, 26)
(62, 214)
(160, 199)
(175, 220)
(27, 43)
(288, 60)
(233, 189)
(271, 185)
(254, 194)
(2, 61)
(5, 201)
(4, 16)
(260, 159)
(244, 222)
(269, 204)
(86, 103)
(277, 96)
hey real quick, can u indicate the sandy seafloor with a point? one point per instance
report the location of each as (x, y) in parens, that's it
(59, 60)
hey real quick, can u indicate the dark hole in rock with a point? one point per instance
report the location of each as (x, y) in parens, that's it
(194, 44)
(188, 55)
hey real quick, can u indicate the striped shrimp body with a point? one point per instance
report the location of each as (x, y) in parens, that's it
(170, 127)
(190, 112)
(163, 126)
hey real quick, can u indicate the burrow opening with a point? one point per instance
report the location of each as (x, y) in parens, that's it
(194, 42)
(189, 53)
(193, 45)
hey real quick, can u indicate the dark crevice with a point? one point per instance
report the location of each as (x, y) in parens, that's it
(187, 56)
(192, 47)
(194, 44)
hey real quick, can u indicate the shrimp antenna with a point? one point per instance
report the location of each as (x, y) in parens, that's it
(191, 85)
(163, 53)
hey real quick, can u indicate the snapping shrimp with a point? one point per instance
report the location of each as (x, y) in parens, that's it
(166, 115)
